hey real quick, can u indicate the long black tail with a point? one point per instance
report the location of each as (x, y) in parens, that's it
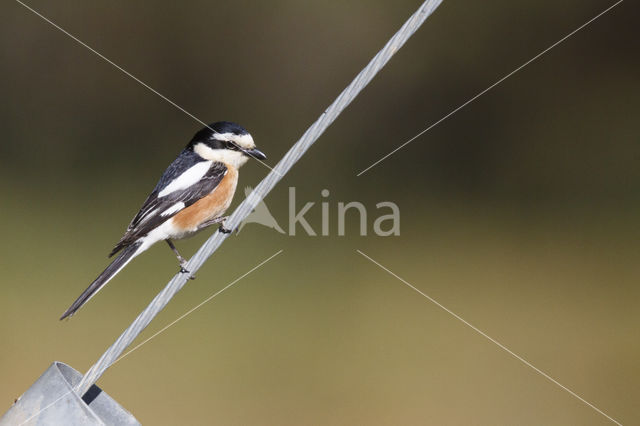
(118, 263)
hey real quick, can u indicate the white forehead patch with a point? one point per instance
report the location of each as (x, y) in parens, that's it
(243, 141)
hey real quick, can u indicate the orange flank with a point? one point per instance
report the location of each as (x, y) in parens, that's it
(211, 206)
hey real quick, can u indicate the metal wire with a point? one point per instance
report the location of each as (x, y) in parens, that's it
(260, 192)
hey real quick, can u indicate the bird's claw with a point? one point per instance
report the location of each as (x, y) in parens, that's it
(224, 230)
(183, 270)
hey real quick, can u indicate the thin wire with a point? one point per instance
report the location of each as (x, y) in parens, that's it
(260, 192)
(489, 88)
(145, 85)
(491, 339)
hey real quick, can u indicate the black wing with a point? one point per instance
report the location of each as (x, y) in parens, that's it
(151, 214)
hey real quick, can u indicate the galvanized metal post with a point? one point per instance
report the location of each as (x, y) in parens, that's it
(52, 400)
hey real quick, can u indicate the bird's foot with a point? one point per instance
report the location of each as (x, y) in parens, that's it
(183, 270)
(224, 230)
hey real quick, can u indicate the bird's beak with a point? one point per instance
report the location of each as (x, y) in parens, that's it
(255, 153)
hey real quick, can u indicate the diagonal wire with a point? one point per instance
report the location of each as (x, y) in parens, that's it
(190, 311)
(491, 339)
(127, 73)
(489, 88)
(260, 192)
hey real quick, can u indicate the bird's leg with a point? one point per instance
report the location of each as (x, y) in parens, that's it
(181, 259)
(210, 222)
(220, 220)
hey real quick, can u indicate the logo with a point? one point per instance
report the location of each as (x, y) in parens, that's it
(261, 215)
(386, 222)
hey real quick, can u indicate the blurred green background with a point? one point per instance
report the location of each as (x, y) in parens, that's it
(519, 213)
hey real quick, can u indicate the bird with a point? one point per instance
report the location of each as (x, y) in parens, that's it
(192, 194)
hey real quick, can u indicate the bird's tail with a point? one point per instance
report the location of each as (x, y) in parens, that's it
(118, 263)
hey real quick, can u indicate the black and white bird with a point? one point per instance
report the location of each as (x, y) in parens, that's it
(192, 194)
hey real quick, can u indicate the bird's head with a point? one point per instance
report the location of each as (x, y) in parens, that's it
(226, 142)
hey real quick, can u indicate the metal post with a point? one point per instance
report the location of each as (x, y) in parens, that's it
(51, 400)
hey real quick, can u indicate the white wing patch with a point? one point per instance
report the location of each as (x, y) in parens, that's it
(191, 176)
(148, 215)
(173, 209)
